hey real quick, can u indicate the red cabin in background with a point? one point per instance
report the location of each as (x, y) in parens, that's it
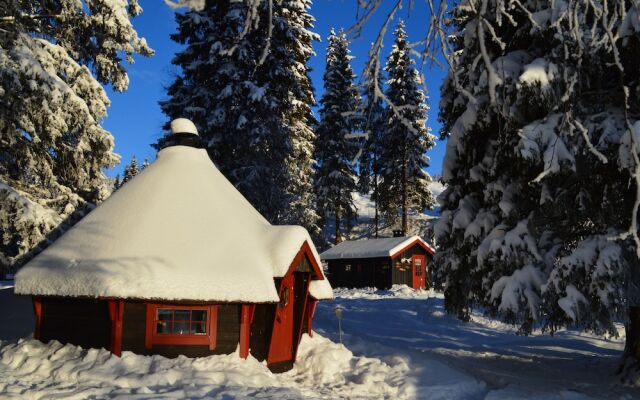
(178, 262)
(380, 263)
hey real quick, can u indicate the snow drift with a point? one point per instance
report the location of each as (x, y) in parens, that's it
(324, 369)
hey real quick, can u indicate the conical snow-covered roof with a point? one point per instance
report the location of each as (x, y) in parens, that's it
(178, 230)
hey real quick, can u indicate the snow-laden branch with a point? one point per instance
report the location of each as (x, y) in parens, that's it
(13, 19)
(590, 146)
(494, 79)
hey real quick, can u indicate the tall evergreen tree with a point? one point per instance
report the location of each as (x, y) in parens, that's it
(54, 56)
(373, 123)
(214, 84)
(542, 166)
(335, 149)
(404, 183)
(245, 84)
(282, 173)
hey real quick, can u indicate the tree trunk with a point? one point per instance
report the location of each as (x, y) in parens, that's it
(630, 366)
(376, 218)
(405, 205)
(632, 330)
(339, 238)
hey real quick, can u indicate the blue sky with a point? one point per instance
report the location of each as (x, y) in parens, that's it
(135, 118)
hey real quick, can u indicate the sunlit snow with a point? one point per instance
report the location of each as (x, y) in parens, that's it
(398, 344)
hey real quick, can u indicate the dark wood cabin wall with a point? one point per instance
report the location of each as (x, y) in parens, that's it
(82, 322)
(134, 331)
(400, 277)
(261, 330)
(365, 272)
(228, 328)
(134, 327)
(262, 327)
(406, 277)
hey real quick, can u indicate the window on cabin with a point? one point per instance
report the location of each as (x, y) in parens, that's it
(181, 325)
(171, 321)
(347, 268)
(418, 263)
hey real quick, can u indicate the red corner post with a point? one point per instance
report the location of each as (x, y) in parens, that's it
(213, 327)
(37, 310)
(116, 310)
(245, 328)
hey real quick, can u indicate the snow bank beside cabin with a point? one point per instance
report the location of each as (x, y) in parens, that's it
(396, 291)
(324, 370)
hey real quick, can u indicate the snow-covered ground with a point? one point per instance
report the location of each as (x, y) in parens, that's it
(481, 359)
(6, 284)
(399, 345)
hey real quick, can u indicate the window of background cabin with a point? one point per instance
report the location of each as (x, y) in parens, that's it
(418, 266)
(347, 268)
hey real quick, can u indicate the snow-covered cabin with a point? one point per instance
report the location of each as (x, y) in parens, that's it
(379, 263)
(175, 262)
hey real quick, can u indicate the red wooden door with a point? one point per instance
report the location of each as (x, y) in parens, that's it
(419, 272)
(281, 347)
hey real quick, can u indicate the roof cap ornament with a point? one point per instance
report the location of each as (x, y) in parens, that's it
(183, 133)
(183, 126)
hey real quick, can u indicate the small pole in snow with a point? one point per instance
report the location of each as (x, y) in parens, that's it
(339, 316)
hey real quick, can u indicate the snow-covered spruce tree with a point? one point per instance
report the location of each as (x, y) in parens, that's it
(404, 183)
(335, 179)
(373, 122)
(281, 134)
(130, 170)
(541, 107)
(245, 84)
(54, 56)
(214, 84)
(117, 183)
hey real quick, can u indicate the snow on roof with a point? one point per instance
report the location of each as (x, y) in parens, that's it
(178, 230)
(183, 125)
(370, 248)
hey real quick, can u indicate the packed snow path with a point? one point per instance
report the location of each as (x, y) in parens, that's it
(402, 344)
(413, 325)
